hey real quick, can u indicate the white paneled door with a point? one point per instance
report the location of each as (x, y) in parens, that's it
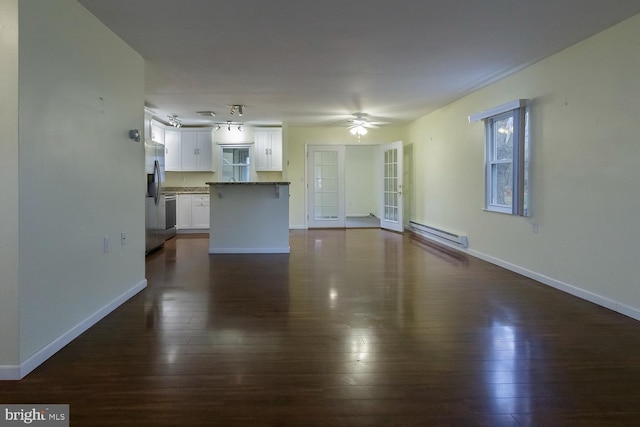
(325, 186)
(392, 207)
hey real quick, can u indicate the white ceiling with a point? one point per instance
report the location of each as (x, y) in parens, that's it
(306, 62)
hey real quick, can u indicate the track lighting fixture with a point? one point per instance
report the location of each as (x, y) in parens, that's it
(174, 121)
(228, 124)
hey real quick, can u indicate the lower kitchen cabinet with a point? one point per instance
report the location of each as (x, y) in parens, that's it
(200, 211)
(192, 212)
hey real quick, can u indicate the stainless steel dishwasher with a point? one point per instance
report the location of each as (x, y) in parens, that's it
(170, 215)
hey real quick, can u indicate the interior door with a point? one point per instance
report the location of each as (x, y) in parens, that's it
(325, 186)
(392, 173)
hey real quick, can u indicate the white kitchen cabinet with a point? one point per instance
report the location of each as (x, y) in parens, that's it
(268, 150)
(183, 212)
(200, 208)
(172, 154)
(188, 151)
(192, 212)
(196, 149)
(157, 133)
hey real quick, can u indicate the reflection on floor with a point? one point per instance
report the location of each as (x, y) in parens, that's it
(355, 327)
(370, 221)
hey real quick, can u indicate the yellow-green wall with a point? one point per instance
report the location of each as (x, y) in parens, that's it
(298, 137)
(585, 138)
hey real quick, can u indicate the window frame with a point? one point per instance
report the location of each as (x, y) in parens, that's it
(236, 165)
(518, 111)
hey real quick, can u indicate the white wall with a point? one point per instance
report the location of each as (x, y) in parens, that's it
(81, 177)
(585, 175)
(9, 354)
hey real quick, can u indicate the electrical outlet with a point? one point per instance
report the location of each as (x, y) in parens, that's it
(123, 238)
(106, 245)
(535, 227)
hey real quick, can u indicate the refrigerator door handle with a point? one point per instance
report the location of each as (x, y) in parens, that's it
(156, 174)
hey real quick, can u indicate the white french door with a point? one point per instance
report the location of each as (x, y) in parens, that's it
(325, 186)
(392, 207)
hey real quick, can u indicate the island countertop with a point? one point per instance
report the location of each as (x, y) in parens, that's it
(249, 183)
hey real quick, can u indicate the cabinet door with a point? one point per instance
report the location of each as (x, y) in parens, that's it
(268, 150)
(262, 150)
(276, 150)
(200, 211)
(204, 151)
(188, 151)
(183, 211)
(172, 154)
(157, 134)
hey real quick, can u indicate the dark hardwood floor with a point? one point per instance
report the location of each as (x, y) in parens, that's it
(354, 327)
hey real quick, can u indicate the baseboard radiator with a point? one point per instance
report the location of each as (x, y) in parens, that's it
(438, 235)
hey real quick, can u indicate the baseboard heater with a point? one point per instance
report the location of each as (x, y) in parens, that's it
(438, 235)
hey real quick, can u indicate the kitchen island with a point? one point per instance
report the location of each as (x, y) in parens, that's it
(249, 217)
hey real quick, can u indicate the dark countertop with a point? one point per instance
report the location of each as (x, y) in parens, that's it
(186, 190)
(248, 183)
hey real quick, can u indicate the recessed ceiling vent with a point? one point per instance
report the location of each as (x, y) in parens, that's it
(206, 113)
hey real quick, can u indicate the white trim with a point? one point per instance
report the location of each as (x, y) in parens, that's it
(600, 300)
(509, 106)
(274, 250)
(17, 372)
(298, 227)
(9, 372)
(193, 231)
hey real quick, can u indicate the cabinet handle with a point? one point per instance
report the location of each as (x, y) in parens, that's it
(266, 151)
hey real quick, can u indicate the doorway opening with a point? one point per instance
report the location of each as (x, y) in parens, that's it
(355, 186)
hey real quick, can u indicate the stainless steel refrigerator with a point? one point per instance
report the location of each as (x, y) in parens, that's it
(154, 200)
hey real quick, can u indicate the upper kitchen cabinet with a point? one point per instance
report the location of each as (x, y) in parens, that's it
(172, 154)
(268, 149)
(188, 151)
(197, 151)
(157, 133)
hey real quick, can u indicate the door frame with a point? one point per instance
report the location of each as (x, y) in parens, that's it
(340, 222)
(396, 224)
(379, 158)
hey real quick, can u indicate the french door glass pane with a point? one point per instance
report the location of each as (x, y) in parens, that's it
(325, 185)
(391, 185)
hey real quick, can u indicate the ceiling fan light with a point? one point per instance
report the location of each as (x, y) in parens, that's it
(358, 130)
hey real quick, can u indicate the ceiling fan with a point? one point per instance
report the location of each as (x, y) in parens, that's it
(360, 122)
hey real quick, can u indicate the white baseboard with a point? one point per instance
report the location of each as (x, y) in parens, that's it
(297, 227)
(600, 300)
(17, 372)
(192, 231)
(274, 250)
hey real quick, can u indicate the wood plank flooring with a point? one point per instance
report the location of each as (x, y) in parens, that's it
(355, 327)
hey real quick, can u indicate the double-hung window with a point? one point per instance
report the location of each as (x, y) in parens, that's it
(506, 157)
(235, 163)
